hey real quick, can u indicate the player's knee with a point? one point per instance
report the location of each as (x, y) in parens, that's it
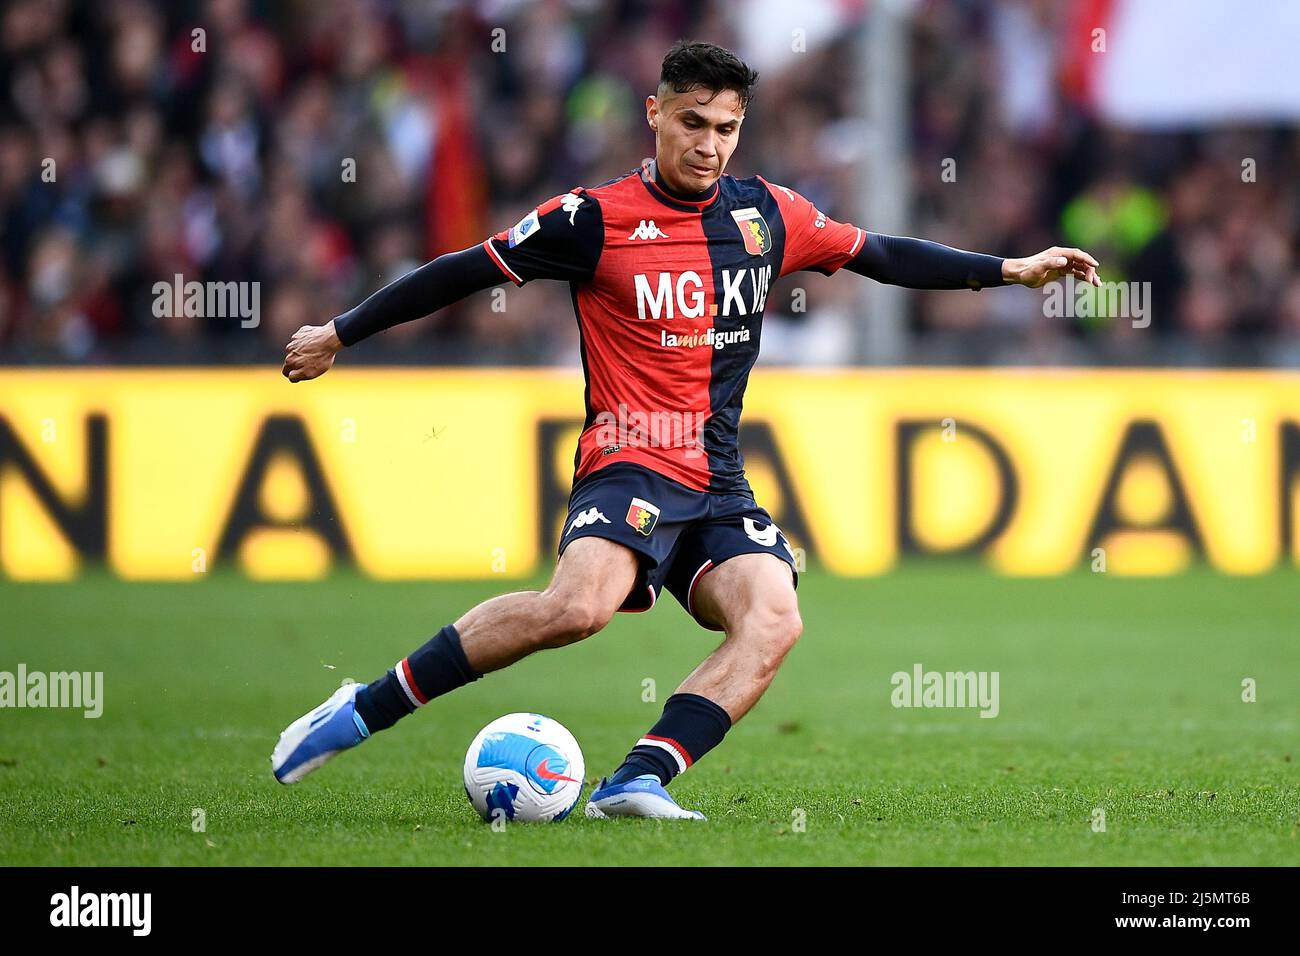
(788, 628)
(585, 618)
(574, 618)
(780, 628)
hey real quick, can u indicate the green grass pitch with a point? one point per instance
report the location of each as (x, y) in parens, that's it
(1118, 694)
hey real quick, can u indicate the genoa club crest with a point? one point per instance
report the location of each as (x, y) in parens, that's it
(753, 229)
(642, 515)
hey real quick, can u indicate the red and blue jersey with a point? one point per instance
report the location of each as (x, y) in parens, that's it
(669, 296)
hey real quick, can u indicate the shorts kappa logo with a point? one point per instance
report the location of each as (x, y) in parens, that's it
(642, 516)
(584, 518)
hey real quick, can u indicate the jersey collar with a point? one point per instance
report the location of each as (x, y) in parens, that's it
(683, 205)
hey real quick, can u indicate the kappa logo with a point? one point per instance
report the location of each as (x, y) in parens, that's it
(584, 518)
(648, 230)
(571, 203)
(643, 516)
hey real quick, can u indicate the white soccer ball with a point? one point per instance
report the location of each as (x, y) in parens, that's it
(524, 767)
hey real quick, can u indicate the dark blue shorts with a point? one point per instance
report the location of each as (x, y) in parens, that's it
(678, 532)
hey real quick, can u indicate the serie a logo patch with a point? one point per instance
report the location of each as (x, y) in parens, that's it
(643, 516)
(524, 228)
(753, 229)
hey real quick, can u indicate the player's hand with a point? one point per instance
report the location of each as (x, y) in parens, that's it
(1050, 264)
(310, 353)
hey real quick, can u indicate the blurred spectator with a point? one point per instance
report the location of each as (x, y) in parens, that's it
(324, 147)
(1169, 209)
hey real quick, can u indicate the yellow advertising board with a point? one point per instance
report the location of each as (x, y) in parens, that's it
(163, 474)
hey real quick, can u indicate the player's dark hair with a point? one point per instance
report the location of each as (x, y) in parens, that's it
(692, 66)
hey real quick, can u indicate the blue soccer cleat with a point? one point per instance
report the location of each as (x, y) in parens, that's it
(643, 796)
(318, 735)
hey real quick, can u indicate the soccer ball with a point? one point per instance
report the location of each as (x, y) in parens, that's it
(524, 767)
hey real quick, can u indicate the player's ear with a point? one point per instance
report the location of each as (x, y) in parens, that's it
(652, 112)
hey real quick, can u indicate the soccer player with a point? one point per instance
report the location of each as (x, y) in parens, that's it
(669, 266)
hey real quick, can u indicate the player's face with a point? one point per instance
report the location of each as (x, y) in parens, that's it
(695, 135)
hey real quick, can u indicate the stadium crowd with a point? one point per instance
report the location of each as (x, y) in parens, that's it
(321, 148)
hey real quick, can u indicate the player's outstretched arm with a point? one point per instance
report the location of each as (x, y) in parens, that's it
(921, 264)
(1054, 263)
(435, 285)
(818, 243)
(310, 352)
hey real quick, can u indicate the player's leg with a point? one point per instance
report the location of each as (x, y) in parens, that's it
(747, 590)
(593, 578)
(751, 598)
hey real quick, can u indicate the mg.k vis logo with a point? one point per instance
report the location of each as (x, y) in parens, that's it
(753, 229)
(668, 296)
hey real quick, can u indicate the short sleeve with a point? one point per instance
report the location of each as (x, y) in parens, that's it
(560, 239)
(812, 240)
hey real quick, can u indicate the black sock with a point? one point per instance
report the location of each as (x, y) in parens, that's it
(689, 728)
(435, 669)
